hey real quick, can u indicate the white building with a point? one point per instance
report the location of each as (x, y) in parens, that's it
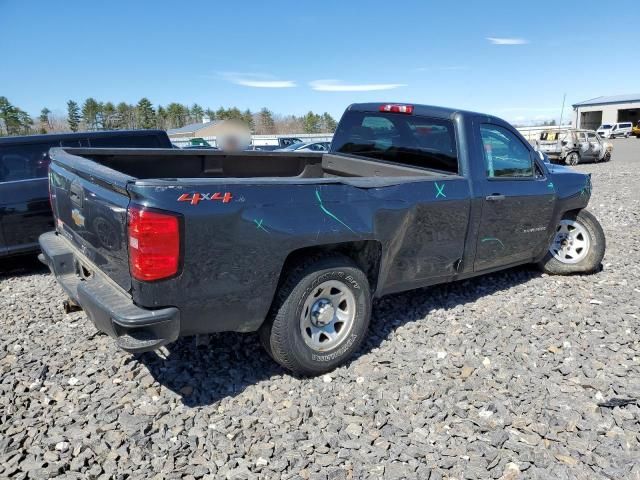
(590, 114)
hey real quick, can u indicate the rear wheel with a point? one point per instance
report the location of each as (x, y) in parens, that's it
(320, 316)
(578, 246)
(572, 159)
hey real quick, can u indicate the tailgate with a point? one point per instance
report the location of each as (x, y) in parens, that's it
(89, 204)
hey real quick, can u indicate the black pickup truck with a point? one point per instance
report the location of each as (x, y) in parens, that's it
(157, 244)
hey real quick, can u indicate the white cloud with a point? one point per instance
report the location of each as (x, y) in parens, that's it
(507, 41)
(265, 83)
(338, 86)
(257, 80)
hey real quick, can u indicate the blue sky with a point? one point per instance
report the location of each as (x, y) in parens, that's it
(511, 59)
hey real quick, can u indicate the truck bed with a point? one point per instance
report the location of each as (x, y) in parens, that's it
(172, 163)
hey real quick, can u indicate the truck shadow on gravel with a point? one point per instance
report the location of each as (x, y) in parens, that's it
(231, 362)
(20, 266)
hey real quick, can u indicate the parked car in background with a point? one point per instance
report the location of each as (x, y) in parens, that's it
(198, 143)
(604, 130)
(572, 146)
(273, 142)
(636, 130)
(25, 211)
(295, 245)
(307, 147)
(622, 129)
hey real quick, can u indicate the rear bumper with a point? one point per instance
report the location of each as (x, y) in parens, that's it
(110, 309)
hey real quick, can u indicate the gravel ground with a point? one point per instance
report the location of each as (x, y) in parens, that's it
(497, 377)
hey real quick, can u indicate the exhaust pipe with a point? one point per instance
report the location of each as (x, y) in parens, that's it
(70, 306)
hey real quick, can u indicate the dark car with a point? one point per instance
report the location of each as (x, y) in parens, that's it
(25, 211)
(294, 244)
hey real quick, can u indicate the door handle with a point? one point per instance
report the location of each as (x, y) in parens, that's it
(495, 197)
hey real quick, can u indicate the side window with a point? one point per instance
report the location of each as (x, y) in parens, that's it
(505, 155)
(592, 137)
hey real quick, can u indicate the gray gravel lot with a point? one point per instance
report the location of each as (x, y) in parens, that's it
(497, 377)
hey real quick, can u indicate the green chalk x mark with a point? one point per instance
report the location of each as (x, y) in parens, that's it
(492, 239)
(440, 190)
(328, 213)
(259, 226)
(586, 190)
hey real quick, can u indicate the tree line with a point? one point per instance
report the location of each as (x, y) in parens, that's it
(94, 115)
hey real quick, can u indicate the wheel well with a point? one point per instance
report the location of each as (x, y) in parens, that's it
(365, 253)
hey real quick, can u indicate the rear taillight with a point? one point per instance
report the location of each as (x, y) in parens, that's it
(408, 109)
(154, 244)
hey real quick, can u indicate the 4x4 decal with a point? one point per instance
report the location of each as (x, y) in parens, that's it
(195, 198)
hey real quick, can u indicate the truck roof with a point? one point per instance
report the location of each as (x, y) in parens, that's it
(423, 110)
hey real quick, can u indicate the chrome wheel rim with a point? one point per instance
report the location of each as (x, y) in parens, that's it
(571, 243)
(327, 315)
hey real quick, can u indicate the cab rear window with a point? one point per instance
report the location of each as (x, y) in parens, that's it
(405, 139)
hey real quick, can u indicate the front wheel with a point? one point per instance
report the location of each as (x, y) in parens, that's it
(578, 246)
(572, 159)
(320, 315)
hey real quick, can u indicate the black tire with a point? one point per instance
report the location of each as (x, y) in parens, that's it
(281, 334)
(572, 159)
(593, 258)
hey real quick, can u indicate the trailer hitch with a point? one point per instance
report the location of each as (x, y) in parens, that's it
(70, 306)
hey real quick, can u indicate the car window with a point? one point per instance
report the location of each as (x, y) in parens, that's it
(580, 137)
(405, 139)
(24, 162)
(592, 137)
(505, 155)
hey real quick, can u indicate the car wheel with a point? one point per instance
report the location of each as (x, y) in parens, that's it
(320, 315)
(572, 159)
(578, 245)
(626, 135)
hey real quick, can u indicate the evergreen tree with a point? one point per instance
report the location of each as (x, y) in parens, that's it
(45, 124)
(9, 117)
(197, 113)
(328, 123)
(177, 115)
(125, 116)
(247, 117)
(73, 115)
(265, 124)
(109, 116)
(210, 113)
(91, 114)
(146, 114)
(311, 123)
